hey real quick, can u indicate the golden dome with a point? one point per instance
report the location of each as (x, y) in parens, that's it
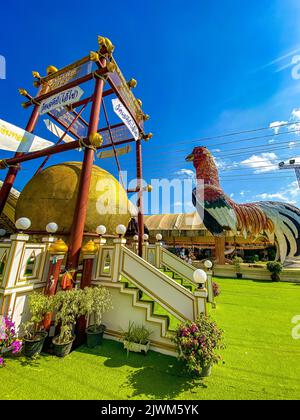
(50, 196)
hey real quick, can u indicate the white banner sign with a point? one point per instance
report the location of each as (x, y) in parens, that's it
(125, 116)
(67, 97)
(16, 139)
(58, 132)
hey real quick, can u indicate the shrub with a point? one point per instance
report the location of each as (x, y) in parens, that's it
(198, 342)
(67, 305)
(95, 302)
(237, 263)
(39, 305)
(275, 268)
(136, 334)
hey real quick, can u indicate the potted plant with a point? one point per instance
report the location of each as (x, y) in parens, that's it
(34, 334)
(67, 305)
(136, 338)
(95, 301)
(198, 344)
(8, 339)
(275, 268)
(238, 269)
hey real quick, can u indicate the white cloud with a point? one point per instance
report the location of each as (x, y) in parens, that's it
(216, 150)
(292, 144)
(221, 164)
(295, 114)
(272, 141)
(276, 125)
(290, 194)
(275, 196)
(186, 173)
(265, 162)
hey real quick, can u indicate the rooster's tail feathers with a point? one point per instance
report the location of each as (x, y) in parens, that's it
(286, 221)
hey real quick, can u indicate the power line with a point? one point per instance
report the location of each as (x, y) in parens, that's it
(255, 149)
(236, 133)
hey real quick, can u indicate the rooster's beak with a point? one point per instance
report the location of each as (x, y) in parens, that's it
(190, 158)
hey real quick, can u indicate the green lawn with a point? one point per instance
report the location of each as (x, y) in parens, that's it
(262, 359)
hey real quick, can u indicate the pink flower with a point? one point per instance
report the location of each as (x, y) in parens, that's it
(194, 328)
(16, 345)
(1, 361)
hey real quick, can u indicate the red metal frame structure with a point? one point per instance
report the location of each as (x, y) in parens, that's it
(58, 81)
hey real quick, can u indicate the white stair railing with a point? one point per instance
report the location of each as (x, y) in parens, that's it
(177, 300)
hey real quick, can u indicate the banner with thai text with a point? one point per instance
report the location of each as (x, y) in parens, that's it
(125, 116)
(15, 139)
(67, 97)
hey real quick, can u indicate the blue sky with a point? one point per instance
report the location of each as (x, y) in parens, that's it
(204, 69)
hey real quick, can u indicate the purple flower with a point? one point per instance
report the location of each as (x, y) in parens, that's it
(1, 361)
(16, 346)
(194, 328)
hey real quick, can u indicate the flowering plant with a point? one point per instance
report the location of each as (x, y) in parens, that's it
(197, 343)
(216, 289)
(8, 340)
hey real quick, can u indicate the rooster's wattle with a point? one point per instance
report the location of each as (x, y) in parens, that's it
(280, 222)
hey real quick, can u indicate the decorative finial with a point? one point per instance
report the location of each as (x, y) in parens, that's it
(94, 56)
(89, 248)
(96, 140)
(106, 43)
(36, 75)
(148, 136)
(132, 83)
(23, 92)
(51, 70)
(59, 247)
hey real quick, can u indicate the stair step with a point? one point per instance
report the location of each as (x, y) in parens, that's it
(156, 310)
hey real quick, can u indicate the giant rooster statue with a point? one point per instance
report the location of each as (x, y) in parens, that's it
(280, 222)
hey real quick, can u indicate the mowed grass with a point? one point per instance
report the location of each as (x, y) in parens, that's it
(261, 358)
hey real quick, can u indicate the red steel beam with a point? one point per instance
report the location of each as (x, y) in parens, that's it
(139, 175)
(77, 229)
(56, 149)
(100, 72)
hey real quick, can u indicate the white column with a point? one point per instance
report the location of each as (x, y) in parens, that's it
(118, 243)
(158, 252)
(99, 256)
(200, 302)
(145, 250)
(13, 268)
(48, 240)
(18, 242)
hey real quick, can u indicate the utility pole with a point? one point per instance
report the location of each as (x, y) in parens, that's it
(292, 164)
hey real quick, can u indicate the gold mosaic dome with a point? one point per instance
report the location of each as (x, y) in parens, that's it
(50, 196)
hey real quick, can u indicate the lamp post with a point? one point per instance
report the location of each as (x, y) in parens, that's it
(158, 250)
(119, 243)
(23, 223)
(200, 278)
(136, 244)
(145, 246)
